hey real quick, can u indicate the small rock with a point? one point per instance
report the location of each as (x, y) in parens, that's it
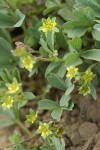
(87, 130)
(97, 146)
(89, 108)
(76, 148)
(73, 119)
(71, 128)
(97, 137)
(75, 112)
(75, 138)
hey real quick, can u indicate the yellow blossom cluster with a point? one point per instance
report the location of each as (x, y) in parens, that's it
(84, 89)
(48, 24)
(12, 89)
(44, 130)
(83, 79)
(72, 71)
(31, 117)
(8, 102)
(27, 60)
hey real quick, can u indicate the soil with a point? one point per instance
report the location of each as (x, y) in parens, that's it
(82, 125)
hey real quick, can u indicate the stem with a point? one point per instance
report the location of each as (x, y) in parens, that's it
(19, 122)
(16, 112)
(24, 28)
(18, 38)
(4, 7)
(23, 128)
(43, 59)
(23, 141)
(10, 6)
(95, 64)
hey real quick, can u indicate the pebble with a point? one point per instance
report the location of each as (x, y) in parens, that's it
(75, 138)
(87, 130)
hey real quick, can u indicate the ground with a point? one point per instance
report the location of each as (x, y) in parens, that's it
(82, 125)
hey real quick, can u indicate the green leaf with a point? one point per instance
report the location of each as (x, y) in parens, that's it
(66, 12)
(56, 114)
(69, 90)
(93, 91)
(8, 114)
(52, 67)
(57, 143)
(70, 106)
(33, 31)
(5, 75)
(21, 103)
(15, 139)
(45, 148)
(44, 45)
(61, 70)
(96, 34)
(5, 34)
(83, 18)
(7, 22)
(16, 74)
(94, 4)
(51, 6)
(29, 95)
(20, 17)
(48, 105)
(50, 39)
(61, 40)
(93, 54)
(6, 123)
(72, 59)
(68, 83)
(64, 100)
(6, 58)
(76, 43)
(97, 27)
(72, 28)
(57, 68)
(56, 81)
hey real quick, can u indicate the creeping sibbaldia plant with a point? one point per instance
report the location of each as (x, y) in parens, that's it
(48, 24)
(44, 130)
(28, 62)
(72, 71)
(31, 117)
(13, 87)
(8, 102)
(84, 89)
(88, 76)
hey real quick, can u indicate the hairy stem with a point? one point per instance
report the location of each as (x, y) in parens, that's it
(23, 128)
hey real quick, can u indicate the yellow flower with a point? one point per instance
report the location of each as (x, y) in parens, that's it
(44, 130)
(8, 102)
(71, 72)
(48, 24)
(28, 62)
(88, 76)
(31, 117)
(19, 52)
(13, 87)
(85, 89)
